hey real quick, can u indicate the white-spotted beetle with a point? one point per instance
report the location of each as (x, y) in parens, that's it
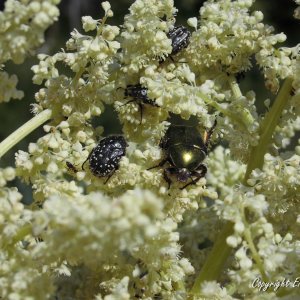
(105, 157)
(180, 37)
(139, 95)
(184, 150)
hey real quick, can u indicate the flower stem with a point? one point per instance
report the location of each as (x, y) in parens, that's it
(234, 87)
(267, 128)
(224, 111)
(255, 255)
(215, 261)
(24, 130)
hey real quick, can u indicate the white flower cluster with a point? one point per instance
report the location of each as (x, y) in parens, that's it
(213, 290)
(132, 237)
(6, 175)
(224, 171)
(23, 24)
(16, 282)
(103, 235)
(49, 155)
(297, 10)
(281, 66)
(279, 181)
(290, 122)
(227, 36)
(8, 87)
(248, 207)
(144, 38)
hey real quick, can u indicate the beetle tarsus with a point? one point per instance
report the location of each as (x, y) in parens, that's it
(159, 165)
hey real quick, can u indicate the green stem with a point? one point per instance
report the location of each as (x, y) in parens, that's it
(268, 126)
(24, 130)
(233, 117)
(243, 115)
(215, 260)
(234, 87)
(255, 255)
(214, 264)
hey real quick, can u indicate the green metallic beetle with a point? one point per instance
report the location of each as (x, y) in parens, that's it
(184, 150)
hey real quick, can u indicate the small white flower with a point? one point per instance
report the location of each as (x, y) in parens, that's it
(106, 6)
(8, 88)
(89, 23)
(193, 22)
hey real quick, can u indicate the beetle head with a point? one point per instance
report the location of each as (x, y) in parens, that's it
(183, 174)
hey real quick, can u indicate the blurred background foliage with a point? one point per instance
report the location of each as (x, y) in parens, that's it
(278, 13)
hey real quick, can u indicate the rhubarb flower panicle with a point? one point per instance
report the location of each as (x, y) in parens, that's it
(112, 218)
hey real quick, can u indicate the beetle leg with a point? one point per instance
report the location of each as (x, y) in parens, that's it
(130, 101)
(199, 173)
(111, 174)
(86, 160)
(167, 171)
(201, 170)
(141, 111)
(159, 165)
(208, 133)
(163, 142)
(193, 181)
(161, 61)
(173, 60)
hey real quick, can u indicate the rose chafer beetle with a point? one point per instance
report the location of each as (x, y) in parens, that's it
(139, 95)
(105, 157)
(184, 151)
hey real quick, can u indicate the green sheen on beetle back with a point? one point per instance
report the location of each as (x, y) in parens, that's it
(186, 156)
(183, 135)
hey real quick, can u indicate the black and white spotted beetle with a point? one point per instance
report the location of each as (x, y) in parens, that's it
(139, 95)
(105, 157)
(180, 37)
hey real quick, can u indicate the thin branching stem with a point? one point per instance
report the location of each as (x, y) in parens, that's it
(24, 130)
